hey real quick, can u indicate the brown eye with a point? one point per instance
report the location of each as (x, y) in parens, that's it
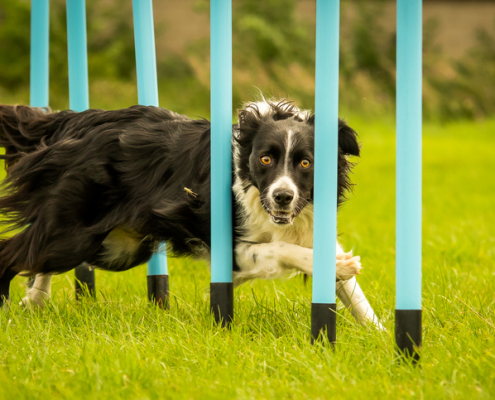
(305, 163)
(266, 160)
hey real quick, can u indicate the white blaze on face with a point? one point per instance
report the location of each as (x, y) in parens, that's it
(288, 147)
(285, 181)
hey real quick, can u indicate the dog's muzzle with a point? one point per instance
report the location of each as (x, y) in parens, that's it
(282, 212)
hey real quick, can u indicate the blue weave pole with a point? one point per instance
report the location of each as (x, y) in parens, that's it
(147, 81)
(39, 72)
(79, 101)
(78, 55)
(221, 288)
(325, 166)
(408, 218)
(144, 37)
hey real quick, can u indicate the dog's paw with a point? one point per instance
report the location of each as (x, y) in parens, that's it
(348, 266)
(378, 325)
(371, 323)
(374, 323)
(34, 298)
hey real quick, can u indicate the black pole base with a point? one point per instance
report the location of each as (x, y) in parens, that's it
(85, 281)
(4, 293)
(4, 297)
(158, 291)
(408, 333)
(222, 302)
(5, 280)
(323, 322)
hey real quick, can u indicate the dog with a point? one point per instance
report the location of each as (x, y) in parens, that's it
(106, 187)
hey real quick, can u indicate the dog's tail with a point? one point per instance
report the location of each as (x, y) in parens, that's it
(23, 129)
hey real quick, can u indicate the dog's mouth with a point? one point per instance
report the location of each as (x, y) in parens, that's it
(284, 216)
(281, 217)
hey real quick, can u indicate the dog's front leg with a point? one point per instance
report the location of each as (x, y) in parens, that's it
(270, 260)
(351, 294)
(277, 259)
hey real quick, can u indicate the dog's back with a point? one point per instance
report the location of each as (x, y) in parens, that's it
(76, 177)
(22, 129)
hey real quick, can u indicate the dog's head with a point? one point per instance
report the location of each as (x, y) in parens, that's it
(275, 152)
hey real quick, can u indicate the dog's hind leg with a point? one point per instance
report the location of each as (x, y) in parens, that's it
(351, 294)
(5, 280)
(39, 292)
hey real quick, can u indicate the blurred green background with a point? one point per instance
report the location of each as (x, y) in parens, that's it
(274, 43)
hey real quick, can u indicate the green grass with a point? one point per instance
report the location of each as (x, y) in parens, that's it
(121, 347)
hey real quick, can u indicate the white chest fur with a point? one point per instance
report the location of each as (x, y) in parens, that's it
(256, 226)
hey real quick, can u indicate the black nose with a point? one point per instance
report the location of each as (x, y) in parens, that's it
(283, 197)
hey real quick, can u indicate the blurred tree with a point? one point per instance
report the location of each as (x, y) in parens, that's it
(14, 43)
(110, 45)
(273, 50)
(272, 32)
(469, 91)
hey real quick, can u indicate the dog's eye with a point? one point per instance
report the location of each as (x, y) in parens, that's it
(266, 160)
(305, 163)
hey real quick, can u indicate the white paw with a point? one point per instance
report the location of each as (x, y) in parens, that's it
(379, 326)
(374, 323)
(34, 298)
(348, 266)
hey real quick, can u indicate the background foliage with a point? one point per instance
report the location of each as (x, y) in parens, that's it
(273, 51)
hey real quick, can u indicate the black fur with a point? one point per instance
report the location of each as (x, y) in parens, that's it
(75, 177)
(252, 122)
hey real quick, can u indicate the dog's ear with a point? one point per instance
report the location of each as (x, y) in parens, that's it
(249, 118)
(347, 137)
(311, 120)
(283, 110)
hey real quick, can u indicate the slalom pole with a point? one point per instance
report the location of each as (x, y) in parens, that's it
(408, 330)
(147, 81)
(221, 287)
(323, 307)
(79, 101)
(39, 72)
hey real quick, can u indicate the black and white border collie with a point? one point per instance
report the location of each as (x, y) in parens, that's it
(106, 187)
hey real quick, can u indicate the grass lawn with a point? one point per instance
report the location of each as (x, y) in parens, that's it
(119, 346)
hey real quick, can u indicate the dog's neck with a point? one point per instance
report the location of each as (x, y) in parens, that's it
(257, 227)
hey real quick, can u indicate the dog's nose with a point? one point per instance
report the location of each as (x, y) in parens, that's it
(283, 197)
